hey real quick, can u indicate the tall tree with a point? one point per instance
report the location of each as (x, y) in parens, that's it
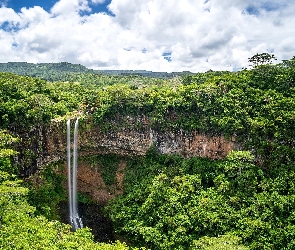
(261, 59)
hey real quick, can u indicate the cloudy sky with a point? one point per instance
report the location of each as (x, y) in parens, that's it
(157, 35)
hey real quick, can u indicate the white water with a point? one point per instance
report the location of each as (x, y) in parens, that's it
(75, 220)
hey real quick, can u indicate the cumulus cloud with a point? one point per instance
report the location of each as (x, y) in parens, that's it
(68, 7)
(196, 35)
(8, 15)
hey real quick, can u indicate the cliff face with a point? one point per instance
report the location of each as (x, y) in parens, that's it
(133, 137)
(131, 140)
(90, 181)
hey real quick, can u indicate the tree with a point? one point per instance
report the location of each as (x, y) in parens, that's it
(261, 59)
(289, 63)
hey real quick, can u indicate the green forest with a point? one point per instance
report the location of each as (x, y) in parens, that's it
(244, 201)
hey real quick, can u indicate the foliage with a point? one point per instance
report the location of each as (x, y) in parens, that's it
(20, 228)
(6, 152)
(260, 59)
(255, 105)
(224, 242)
(171, 203)
(25, 101)
(244, 201)
(46, 191)
(64, 71)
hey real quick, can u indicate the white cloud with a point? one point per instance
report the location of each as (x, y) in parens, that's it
(97, 1)
(33, 16)
(66, 7)
(8, 15)
(213, 34)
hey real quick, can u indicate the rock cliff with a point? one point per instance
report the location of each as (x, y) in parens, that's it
(134, 136)
(134, 140)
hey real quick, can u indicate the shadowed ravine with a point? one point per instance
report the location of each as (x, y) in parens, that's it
(92, 217)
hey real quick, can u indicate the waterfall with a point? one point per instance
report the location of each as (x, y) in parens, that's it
(75, 220)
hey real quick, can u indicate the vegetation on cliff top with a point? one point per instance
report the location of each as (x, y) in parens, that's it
(257, 106)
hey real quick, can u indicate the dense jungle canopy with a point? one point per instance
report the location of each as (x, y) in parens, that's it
(245, 201)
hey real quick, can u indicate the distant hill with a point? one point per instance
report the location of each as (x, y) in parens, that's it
(46, 71)
(24, 67)
(65, 70)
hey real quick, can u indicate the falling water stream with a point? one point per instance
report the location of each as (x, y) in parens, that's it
(92, 214)
(75, 220)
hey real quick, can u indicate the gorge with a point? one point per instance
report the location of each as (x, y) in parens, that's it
(125, 139)
(206, 159)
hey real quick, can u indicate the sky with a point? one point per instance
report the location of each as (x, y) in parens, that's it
(156, 35)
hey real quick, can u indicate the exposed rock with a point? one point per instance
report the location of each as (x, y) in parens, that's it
(131, 140)
(90, 181)
(134, 136)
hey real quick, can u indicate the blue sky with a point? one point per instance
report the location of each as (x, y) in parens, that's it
(48, 4)
(152, 35)
(18, 4)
